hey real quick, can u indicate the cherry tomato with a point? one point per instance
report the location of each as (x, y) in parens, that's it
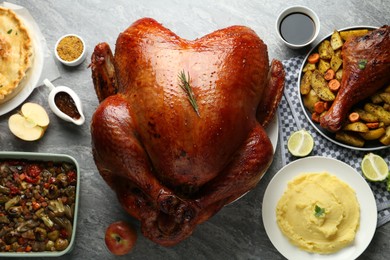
(33, 170)
(71, 176)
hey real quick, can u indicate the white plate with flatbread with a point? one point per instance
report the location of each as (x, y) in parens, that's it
(33, 74)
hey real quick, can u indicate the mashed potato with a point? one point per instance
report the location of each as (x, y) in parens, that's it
(319, 213)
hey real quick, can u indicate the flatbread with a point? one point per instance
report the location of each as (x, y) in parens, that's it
(16, 53)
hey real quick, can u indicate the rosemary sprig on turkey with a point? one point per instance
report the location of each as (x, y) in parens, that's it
(185, 85)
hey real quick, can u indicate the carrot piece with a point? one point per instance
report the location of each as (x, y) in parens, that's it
(329, 74)
(22, 176)
(315, 117)
(28, 248)
(319, 107)
(372, 125)
(334, 85)
(327, 105)
(21, 240)
(313, 58)
(354, 117)
(36, 205)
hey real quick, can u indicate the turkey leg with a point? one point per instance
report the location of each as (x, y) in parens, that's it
(366, 67)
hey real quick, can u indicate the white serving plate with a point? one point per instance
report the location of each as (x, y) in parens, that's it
(30, 82)
(317, 164)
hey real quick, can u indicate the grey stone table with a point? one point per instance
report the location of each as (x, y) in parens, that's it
(237, 231)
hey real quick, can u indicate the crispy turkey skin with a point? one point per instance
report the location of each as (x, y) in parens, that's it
(171, 167)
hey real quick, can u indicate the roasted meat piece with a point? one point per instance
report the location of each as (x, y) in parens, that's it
(173, 163)
(366, 69)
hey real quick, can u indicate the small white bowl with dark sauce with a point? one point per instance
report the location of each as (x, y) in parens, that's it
(65, 103)
(298, 26)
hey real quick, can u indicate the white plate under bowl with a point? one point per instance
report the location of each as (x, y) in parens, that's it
(30, 82)
(273, 131)
(370, 145)
(318, 164)
(273, 134)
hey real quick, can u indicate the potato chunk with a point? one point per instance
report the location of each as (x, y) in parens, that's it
(320, 86)
(335, 41)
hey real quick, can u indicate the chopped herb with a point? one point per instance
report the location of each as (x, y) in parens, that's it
(185, 85)
(362, 64)
(318, 211)
(9, 31)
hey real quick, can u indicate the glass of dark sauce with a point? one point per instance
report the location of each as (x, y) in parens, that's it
(297, 26)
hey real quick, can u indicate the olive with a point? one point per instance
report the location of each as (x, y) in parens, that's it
(53, 191)
(15, 211)
(63, 179)
(40, 234)
(61, 244)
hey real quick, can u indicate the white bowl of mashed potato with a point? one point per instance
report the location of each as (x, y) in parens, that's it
(319, 207)
(318, 213)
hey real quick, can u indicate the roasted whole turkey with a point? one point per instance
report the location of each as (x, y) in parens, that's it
(179, 131)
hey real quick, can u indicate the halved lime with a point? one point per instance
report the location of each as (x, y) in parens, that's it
(300, 143)
(374, 167)
(388, 182)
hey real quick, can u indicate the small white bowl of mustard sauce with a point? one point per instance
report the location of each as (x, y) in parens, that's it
(298, 26)
(70, 50)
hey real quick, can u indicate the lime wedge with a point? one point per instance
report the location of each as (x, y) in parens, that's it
(374, 167)
(388, 182)
(300, 143)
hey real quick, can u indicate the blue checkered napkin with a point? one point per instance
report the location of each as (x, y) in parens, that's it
(292, 118)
